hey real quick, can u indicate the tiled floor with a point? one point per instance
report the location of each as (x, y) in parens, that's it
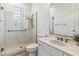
(23, 53)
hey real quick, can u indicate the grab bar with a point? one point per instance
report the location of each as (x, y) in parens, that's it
(16, 30)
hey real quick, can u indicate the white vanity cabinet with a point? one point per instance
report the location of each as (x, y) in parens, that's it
(47, 50)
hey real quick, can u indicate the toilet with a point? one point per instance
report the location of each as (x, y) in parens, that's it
(32, 49)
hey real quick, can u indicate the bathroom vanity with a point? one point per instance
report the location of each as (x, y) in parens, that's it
(48, 48)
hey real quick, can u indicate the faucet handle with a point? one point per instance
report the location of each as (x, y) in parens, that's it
(66, 40)
(57, 38)
(61, 39)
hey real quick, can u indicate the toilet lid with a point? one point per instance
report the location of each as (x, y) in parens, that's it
(34, 45)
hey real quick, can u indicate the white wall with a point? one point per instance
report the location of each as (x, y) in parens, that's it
(42, 10)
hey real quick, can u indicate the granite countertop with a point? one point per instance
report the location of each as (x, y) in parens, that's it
(71, 48)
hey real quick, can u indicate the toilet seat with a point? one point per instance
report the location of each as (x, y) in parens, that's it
(31, 46)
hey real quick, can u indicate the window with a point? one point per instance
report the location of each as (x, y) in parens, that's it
(17, 19)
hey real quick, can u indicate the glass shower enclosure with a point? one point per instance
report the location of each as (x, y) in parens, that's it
(15, 30)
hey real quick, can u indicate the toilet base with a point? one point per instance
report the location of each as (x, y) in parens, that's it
(33, 53)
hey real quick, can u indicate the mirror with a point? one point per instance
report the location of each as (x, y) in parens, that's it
(64, 19)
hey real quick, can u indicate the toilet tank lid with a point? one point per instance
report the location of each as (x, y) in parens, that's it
(34, 45)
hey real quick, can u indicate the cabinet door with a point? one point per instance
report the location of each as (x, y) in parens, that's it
(41, 51)
(50, 50)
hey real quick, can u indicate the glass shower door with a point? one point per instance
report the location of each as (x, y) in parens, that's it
(8, 40)
(1, 30)
(13, 38)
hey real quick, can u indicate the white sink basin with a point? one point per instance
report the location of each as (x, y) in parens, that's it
(60, 43)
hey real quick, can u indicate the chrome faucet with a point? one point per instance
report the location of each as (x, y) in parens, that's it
(59, 38)
(62, 39)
